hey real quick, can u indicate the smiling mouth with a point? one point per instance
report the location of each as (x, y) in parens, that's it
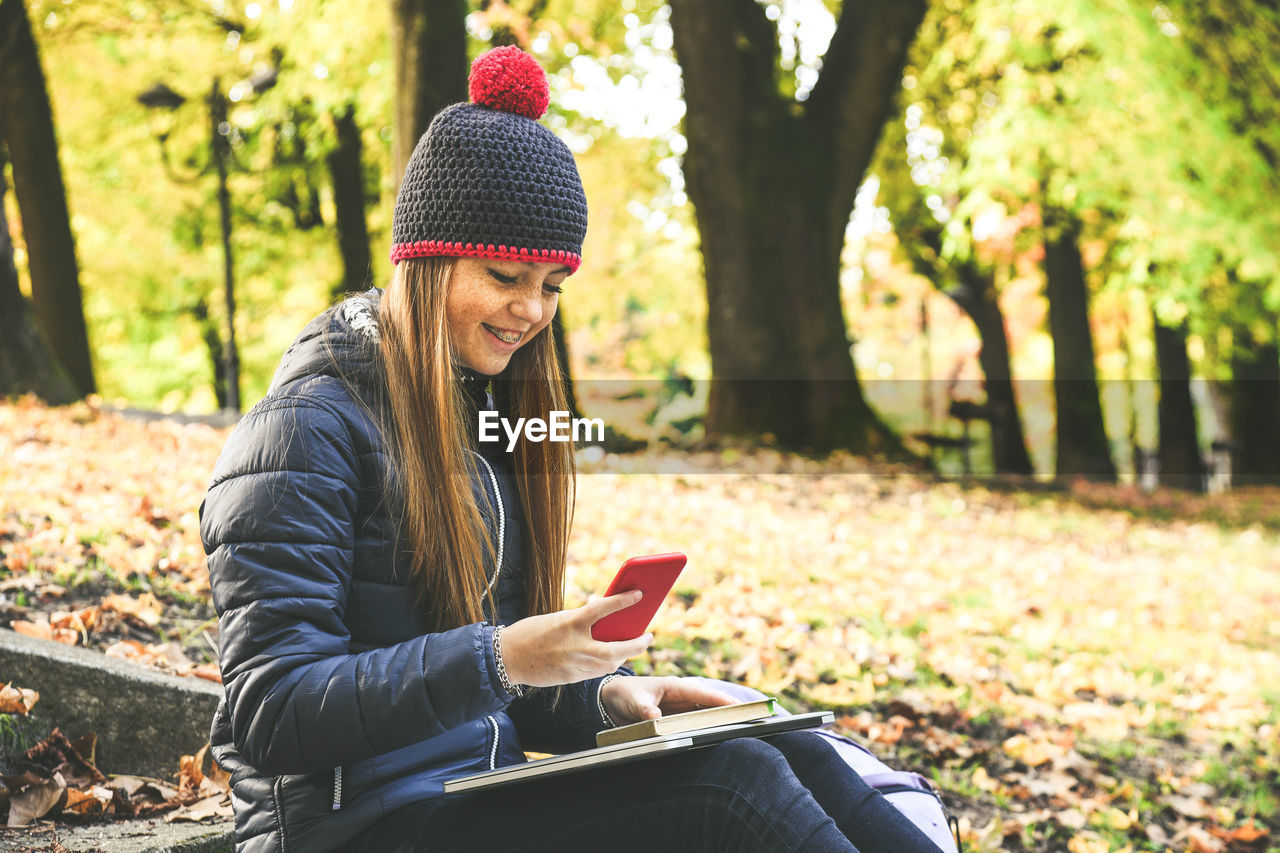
(505, 337)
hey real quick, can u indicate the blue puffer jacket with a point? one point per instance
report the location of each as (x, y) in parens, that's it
(339, 705)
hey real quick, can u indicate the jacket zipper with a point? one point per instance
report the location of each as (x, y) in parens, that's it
(493, 751)
(277, 791)
(337, 788)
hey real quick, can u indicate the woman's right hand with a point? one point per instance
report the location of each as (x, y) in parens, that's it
(557, 648)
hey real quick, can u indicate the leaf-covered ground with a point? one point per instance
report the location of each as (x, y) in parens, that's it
(1090, 670)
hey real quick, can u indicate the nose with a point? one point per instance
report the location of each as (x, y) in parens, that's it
(528, 306)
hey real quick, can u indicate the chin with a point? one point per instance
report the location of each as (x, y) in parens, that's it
(489, 368)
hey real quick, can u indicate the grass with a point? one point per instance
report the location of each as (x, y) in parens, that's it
(1056, 659)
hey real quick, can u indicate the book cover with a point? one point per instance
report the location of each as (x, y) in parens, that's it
(722, 715)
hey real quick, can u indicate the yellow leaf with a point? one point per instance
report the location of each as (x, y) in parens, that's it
(1088, 842)
(17, 700)
(983, 781)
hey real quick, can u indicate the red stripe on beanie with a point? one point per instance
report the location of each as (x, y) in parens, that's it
(445, 248)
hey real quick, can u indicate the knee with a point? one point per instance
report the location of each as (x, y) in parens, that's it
(749, 768)
(816, 762)
(750, 799)
(807, 747)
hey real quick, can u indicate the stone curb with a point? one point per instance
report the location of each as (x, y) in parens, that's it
(145, 720)
(148, 835)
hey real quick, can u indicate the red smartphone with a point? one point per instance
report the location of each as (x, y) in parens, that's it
(654, 575)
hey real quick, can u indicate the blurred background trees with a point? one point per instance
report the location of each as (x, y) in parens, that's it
(31, 149)
(1041, 233)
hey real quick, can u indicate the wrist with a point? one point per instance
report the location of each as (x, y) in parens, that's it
(504, 677)
(608, 719)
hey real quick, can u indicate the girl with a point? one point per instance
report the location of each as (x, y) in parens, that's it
(390, 590)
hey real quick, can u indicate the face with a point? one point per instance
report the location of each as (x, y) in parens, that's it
(495, 307)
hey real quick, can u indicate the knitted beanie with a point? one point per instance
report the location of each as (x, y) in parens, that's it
(487, 180)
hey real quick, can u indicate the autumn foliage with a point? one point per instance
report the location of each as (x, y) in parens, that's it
(1084, 670)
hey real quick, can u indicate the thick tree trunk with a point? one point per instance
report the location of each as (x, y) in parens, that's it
(1083, 450)
(1181, 465)
(977, 297)
(773, 183)
(1255, 411)
(429, 49)
(26, 365)
(26, 120)
(347, 174)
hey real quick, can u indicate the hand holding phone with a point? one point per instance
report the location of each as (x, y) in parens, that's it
(654, 575)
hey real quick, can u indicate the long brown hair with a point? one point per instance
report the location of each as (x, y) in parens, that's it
(430, 440)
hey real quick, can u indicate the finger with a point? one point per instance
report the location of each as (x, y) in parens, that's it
(601, 607)
(708, 698)
(679, 694)
(633, 648)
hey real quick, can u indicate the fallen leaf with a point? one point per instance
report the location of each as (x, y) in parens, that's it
(1202, 841)
(1248, 833)
(217, 805)
(145, 610)
(189, 773)
(17, 700)
(1031, 752)
(87, 747)
(1188, 806)
(1052, 783)
(56, 754)
(84, 803)
(127, 649)
(982, 780)
(39, 630)
(207, 671)
(36, 800)
(82, 622)
(1088, 842)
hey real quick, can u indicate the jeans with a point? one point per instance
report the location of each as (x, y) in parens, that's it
(789, 792)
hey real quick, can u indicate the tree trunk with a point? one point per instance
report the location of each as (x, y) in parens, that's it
(220, 149)
(1083, 450)
(1181, 465)
(1255, 411)
(26, 120)
(347, 173)
(429, 49)
(217, 352)
(977, 297)
(773, 183)
(26, 365)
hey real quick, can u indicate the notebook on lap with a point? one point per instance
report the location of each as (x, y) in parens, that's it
(605, 756)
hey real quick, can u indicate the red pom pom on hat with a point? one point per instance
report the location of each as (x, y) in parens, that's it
(508, 79)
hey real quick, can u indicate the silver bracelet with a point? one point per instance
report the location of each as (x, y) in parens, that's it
(604, 715)
(503, 679)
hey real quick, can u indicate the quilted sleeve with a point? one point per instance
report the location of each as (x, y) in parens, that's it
(278, 526)
(567, 725)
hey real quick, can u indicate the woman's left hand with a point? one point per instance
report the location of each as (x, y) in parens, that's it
(631, 699)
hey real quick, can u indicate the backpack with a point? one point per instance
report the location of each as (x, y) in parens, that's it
(910, 793)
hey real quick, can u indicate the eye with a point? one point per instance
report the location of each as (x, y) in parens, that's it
(553, 288)
(503, 278)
